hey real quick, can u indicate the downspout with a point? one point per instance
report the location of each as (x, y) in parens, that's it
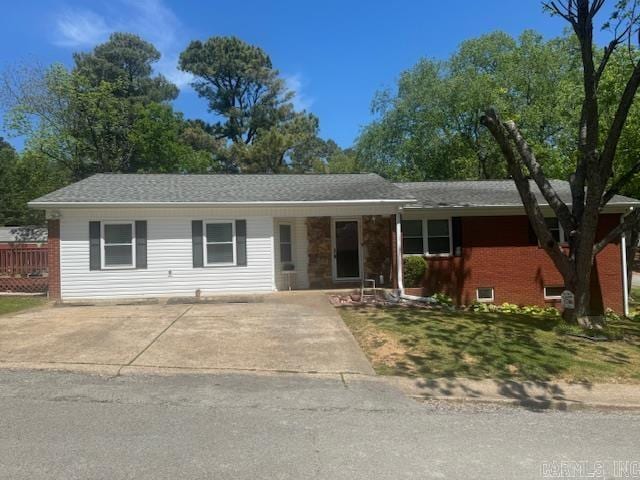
(399, 273)
(625, 281)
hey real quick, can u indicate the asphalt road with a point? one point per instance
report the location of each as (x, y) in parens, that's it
(248, 426)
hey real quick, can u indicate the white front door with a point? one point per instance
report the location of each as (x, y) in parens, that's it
(347, 254)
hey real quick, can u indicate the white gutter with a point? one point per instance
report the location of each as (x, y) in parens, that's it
(399, 272)
(218, 204)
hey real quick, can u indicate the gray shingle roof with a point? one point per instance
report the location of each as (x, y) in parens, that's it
(484, 193)
(169, 188)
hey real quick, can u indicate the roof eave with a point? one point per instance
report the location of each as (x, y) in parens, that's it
(55, 204)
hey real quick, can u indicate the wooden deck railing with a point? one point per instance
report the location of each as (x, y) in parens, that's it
(23, 261)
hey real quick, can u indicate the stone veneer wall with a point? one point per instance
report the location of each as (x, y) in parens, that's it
(376, 233)
(319, 249)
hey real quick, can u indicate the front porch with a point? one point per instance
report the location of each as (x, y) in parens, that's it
(319, 252)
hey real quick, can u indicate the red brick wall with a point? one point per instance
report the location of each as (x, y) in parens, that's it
(54, 259)
(496, 252)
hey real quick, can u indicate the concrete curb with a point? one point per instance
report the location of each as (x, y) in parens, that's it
(532, 395)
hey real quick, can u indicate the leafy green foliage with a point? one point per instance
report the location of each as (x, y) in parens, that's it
(534, 310)
(442, 299)
(263, 132)
(430, 127)
(414, 268)
(126, 60)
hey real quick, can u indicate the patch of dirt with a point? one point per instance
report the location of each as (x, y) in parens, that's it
(384, 349)
(469, 359)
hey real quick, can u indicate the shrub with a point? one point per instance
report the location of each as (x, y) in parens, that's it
(414, 268)
(442, 299)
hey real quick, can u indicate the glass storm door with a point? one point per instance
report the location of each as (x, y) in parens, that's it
(346, 252)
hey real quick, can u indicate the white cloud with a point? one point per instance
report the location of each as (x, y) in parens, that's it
(151, 19)
(295, 83)
(80, 28)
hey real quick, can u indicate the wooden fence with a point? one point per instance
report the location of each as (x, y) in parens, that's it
(23, 268)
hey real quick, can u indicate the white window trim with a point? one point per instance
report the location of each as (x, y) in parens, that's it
(552, 297)
(425, 239)
(103, 244)
(561, 234)
(485, 300)
(425, 231)
(280, 242)
(206, 243)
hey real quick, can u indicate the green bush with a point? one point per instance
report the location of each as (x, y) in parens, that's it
(414, 268)
(442, 299)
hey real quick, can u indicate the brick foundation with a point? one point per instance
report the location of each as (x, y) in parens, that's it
(54, 259)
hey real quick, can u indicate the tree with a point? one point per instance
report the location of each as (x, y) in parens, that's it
(594, 179)
(430, 128)
(258, 122)
(108, 114)
(23, 178)
(126, 60)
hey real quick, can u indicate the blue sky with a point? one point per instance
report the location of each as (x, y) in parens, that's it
(334, 54)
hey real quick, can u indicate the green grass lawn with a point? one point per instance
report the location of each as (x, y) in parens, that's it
(10, 304)
(433, 343)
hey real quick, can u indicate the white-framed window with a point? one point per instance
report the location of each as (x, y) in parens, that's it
(285, 235)
(118, 245)
(484, 294)
(556, 229)
(430, 237)
(439, 237)
(220, 242)
(412, 239)
(553, 292)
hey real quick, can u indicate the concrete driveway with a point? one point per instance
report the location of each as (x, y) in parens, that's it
(297, 332)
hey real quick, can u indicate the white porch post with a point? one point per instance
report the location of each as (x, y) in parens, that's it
(399, 251)
(625, 278)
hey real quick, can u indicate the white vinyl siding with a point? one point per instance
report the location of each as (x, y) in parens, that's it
(170, 268)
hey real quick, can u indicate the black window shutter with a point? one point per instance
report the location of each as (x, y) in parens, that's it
(141, 244)
(94, 246)
(196, 242)
(456, 227)
(241, 242)
(533, 238)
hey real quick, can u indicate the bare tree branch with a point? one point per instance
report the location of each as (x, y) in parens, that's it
(491, 120)
(619, 119)
(631, 220)
(548, 192)
(618, 184)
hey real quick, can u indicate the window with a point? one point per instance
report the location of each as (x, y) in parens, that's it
(412, 240)
(438, 238)
(117, 245)
(556, 230)
(553, 293)
(484, 294)
(220, 241)
(286, 255)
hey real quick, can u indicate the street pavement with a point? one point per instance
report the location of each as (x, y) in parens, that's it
(234, 425)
